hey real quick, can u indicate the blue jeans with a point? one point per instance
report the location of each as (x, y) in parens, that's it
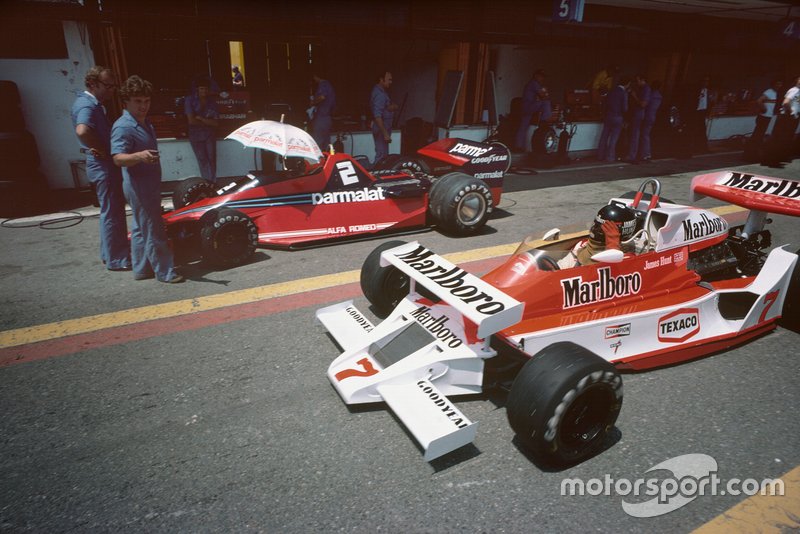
(115, 250)
(204, 145)
(635, 132)
(150, 250)
(321, 131)
(545, 112)
(607, 149)
(381, 146)
(645, 148)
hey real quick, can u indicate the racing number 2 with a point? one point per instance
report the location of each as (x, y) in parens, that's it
(368, 370)
(769, 300)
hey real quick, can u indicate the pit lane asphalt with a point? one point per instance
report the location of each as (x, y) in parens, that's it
(233, 426)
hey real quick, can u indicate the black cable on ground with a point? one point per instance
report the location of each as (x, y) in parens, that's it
(74, 219)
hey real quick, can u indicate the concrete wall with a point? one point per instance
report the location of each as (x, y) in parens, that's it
(47, 89)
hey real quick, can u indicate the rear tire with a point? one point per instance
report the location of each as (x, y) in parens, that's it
(563, 404)
(191, 190)
(228, 237)
(384, 287)
(410, 163)
(460, 204)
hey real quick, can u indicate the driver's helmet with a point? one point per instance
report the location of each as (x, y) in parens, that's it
(623, 216)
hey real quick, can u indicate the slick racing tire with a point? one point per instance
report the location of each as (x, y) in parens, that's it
(384, 287)
(227, 238)
(460, 204)
(790, 317)
(191, 190)
(563, 404)
(503, 149)
(544, 141)
(410, 163)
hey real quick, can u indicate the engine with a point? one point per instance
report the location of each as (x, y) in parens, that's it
(734, 256)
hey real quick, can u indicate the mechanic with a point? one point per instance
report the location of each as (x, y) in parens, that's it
(382, 109)
(640, 98)
(238, 78)
(135, 149)
(94, 133)
(202, 114)
(616, 105)
(323, 101)
(767, 106)
(650, 112)
(535, 99)
(783, 132)
(613, 224)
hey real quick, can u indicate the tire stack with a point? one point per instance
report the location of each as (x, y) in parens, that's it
(23, 189)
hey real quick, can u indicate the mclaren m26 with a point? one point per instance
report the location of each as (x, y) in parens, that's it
(685, 284)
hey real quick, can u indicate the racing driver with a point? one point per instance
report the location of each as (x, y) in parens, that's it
(613, 224)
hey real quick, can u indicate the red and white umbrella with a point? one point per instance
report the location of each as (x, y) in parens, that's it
(283, 139)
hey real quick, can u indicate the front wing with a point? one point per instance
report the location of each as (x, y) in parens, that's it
(418, 356)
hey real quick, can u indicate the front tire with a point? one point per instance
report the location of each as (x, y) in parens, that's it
(191, 190)
(790, 316)
(228, 238)
(563, 404)
(384, 287)
(460, 204)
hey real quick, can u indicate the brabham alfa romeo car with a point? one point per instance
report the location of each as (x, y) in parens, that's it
(453, 184)
(685, 284)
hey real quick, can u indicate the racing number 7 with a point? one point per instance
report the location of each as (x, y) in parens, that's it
(368, 370)
(769, 300)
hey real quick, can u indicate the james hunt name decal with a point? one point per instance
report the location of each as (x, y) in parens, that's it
(679, 325)
(577, 292)
(748, 182)
(359, 195)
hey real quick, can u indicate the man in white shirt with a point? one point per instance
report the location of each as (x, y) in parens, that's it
(785, 127)
(767, 105)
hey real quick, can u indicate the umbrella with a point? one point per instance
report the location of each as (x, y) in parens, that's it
(283, 139)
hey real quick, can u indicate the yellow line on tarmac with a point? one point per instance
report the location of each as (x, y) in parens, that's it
(762, 513)
(83, 325)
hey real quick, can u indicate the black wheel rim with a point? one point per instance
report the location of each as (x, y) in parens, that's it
(395, 286)
(232, 241)
(587, 416)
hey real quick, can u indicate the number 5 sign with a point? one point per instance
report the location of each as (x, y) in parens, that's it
(568, 10)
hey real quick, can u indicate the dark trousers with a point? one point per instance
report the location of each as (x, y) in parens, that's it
(781, 144)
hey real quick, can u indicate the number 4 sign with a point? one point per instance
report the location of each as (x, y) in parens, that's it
(791, 28)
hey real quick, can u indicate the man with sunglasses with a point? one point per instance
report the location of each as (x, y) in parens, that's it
(94, 134)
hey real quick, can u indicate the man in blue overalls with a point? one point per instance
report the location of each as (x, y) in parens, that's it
(94, 133)
(135, 149)
(382, 110)
(324, 100)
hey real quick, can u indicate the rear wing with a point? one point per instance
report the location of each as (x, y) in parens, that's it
(482, 160)
(759, 193)
(487, 307)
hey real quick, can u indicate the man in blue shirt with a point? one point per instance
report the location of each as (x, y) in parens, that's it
(201, 114)
(135, 149)
(535, 99)
(640, 98)
(94, 133)
(382, 110)
(616, 106)
(324, 101)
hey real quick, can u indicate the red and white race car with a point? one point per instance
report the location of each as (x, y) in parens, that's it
(453, 184)
(690, 285)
